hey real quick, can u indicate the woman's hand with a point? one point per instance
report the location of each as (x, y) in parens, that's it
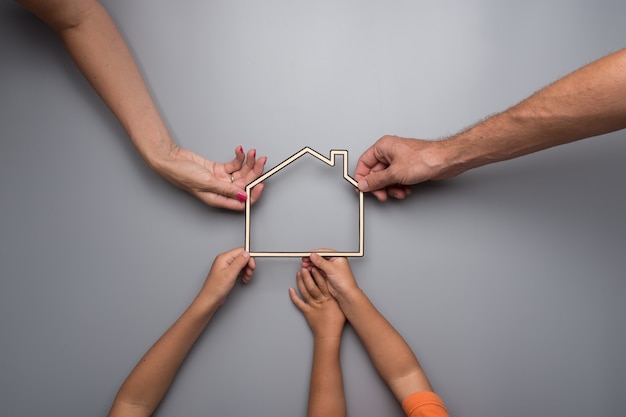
(217, 184)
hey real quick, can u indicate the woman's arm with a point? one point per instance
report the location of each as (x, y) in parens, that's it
(101, 54)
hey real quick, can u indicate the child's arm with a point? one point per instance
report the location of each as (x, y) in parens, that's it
(147, 384)
(391, 355)
(326, 394)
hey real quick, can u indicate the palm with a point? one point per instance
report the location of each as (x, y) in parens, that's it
(216, 183)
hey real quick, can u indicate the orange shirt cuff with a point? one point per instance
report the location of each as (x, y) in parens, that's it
(424, 404)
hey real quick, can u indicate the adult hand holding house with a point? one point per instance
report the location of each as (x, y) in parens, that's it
(588, 102)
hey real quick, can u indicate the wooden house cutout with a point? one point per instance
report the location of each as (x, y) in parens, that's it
(329, 161)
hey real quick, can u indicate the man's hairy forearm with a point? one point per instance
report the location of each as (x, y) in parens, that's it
(588, 102)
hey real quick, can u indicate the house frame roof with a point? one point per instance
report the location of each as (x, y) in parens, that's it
(329, 161)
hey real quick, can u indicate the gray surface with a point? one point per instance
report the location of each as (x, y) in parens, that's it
(507, 281)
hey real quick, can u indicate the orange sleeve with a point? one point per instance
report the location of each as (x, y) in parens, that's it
(424, 404)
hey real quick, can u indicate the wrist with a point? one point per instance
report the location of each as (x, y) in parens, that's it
(345, 292)
(349, 297)
(452, 156)
(207, 304)
(327, 337)
(500, 137)
(327, 342)
(156, 151)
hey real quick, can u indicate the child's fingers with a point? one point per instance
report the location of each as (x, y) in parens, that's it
(310, 284)
(304, 292)
(297, 301)
(320, 281)
(248, 270)
(246, 274)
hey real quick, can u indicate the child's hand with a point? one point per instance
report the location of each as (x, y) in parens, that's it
(336, 271)
(224, 272)
(320, 309)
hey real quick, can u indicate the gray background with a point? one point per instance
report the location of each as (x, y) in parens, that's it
(508, 281)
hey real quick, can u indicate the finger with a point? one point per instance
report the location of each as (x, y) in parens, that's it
(246, 276)
(376, 180)
(321, 263)
(248, 270)
(248, 165)
(215, 200)
(259, 166)
(306, 263)
(253, 169)
(366, 162)
(225, 259)
(228, 190)
(301, 305)
(325, 266)
(320, 281)
(237, 163)
(306, 260)
(304, 293)
(398, 191)
(250, 160)
(310, 284)
(381, 195)
(237, 260)
(256, 192)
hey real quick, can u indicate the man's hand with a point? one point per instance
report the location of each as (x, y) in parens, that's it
(216, 184)
(393, 163)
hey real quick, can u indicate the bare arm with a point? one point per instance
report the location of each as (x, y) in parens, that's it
(326, 393)
(326, 320)
(588, 102)
(391, 355)
(149, 381)
(147, 384)
(101, 54)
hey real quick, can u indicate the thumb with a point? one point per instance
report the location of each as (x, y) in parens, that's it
(376, 181)
(238, 262)
(321, 263)
(229, 191)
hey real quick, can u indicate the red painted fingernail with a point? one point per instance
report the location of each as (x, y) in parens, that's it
(240, 149)
(254, 153)
(242, 197)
